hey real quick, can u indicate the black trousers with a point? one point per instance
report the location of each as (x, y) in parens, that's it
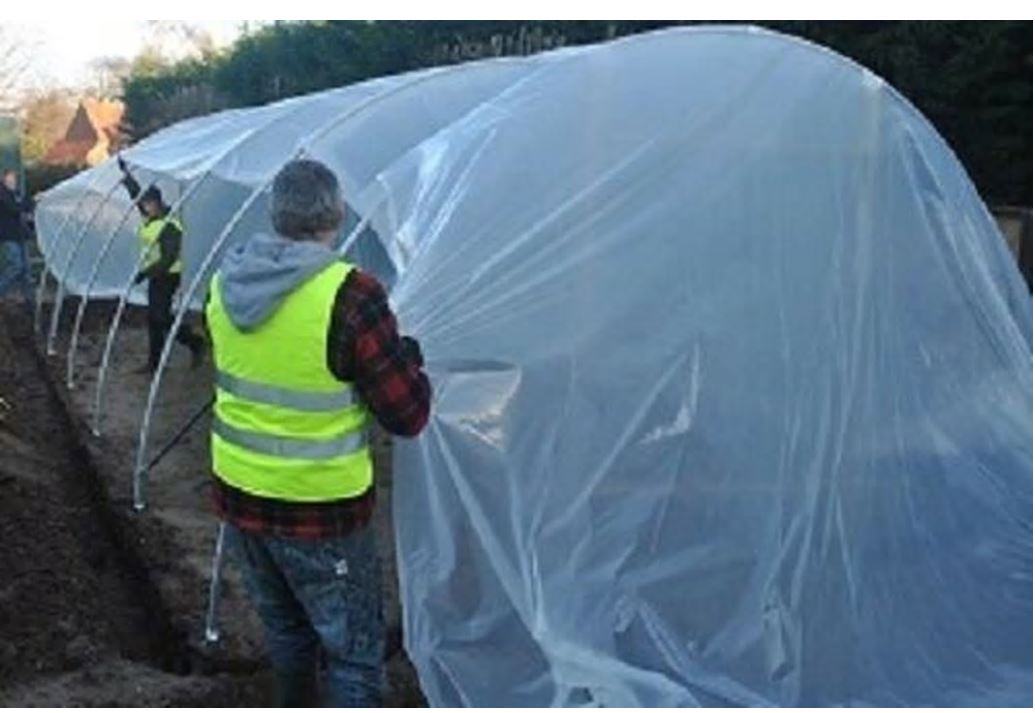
(160, 291)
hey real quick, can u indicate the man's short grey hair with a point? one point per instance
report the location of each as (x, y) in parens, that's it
(306, 200)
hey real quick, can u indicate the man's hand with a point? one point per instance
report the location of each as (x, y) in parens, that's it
(411, 347)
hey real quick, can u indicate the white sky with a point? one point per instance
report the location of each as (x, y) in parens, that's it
(65, 46)
(63, 49)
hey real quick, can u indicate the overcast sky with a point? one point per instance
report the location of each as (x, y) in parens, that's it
(63, 49)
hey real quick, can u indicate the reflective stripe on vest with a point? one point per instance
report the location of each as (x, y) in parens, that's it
(284, 426)
(274, 396)
(281, 447)
(149, 233)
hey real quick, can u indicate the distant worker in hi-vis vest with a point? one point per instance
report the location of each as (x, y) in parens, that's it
(307, 355)
(161, 238)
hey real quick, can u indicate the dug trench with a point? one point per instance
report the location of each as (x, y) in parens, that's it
(100, 605)
(81, 620)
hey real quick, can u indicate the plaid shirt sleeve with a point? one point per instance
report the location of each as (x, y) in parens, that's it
(365, 347)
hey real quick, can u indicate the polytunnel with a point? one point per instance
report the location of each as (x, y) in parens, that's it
(732, 368)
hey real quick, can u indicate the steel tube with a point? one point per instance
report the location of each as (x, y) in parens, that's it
(37, 320)
(84, 298)
(214, 586)
(59, 295)
(140, 470)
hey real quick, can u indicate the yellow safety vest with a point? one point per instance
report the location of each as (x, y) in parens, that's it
(149, 233)
(284, 426)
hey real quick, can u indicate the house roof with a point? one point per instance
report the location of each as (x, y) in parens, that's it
(105, 115)
(69, 152)
(93, 129)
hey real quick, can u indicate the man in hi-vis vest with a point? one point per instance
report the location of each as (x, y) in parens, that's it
(307, 355)
(161, 236)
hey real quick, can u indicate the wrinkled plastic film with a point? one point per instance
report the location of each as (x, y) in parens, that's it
(732, 375)
(733, 393)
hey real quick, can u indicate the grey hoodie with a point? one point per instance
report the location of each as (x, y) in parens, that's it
(257, 275)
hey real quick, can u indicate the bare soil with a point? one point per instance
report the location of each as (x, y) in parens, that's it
(99, 604)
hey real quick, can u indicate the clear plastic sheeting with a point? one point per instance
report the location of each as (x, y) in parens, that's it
(733, 377)
(219, 160)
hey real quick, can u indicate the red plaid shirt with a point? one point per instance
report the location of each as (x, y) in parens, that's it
(363, 347)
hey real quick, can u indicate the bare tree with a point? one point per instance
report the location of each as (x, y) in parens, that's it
(15, 60)
(46, 115)
(108, 75)
(179, 40)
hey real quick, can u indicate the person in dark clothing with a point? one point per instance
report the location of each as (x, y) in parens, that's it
(161, 237)
(14, 258)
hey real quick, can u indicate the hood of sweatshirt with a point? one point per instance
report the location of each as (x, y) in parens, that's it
(257, 275)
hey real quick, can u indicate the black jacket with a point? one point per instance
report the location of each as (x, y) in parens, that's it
(13, 213)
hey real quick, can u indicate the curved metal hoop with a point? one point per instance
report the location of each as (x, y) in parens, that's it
(113, 328)
(140, 469)
(41, 289)
(73, 253)
(95, 269)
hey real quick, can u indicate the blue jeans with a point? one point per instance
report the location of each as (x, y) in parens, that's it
(14, 268)
(313, 594)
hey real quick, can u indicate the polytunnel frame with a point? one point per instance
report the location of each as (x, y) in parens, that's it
(84, 298)
(213, 592)
(140, 471)
(41, 289)
(127, 289)
(73, 253)
(141, 468)
(211, 632)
